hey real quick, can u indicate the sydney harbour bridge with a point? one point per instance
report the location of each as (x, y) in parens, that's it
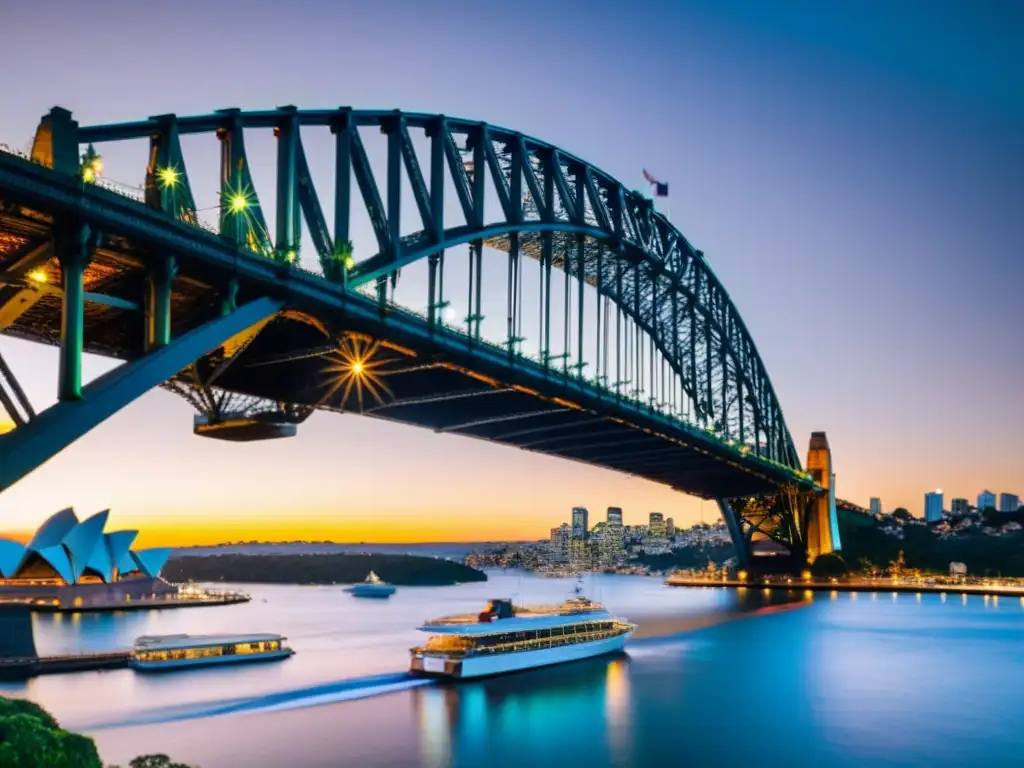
(593, 329)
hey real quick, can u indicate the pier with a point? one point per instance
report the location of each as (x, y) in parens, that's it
(876, 586)
(14, 668)
(183, 599)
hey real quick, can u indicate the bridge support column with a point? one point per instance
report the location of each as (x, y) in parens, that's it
(822, 533)
(74, 247)
(739, 541)
(158, 304)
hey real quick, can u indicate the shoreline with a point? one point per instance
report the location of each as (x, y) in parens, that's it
(985, 590)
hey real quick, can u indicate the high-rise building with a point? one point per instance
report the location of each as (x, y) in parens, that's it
(559, 543)
(986, 500)
(581, 554)
(670, 527)
(876, 505)
(1008, 502)
(579, 522)
(614, 515)
(656, 526)
(933, 506)
(959, 506)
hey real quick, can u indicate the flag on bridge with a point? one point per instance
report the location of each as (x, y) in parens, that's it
(660, 187)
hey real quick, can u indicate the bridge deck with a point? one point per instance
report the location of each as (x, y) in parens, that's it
(438, 379)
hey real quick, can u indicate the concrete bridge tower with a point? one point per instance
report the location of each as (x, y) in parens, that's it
(822, 523)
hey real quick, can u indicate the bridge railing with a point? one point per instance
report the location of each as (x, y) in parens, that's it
(136, 193)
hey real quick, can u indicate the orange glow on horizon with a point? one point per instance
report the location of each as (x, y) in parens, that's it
(192, 531)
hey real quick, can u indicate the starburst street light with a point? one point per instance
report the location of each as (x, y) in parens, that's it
(353, 366)
(91, 165)
(168, 176)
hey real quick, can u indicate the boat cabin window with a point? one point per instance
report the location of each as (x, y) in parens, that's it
(177, 654)
(526, 640)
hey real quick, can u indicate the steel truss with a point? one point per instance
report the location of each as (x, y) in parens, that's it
(552, 207)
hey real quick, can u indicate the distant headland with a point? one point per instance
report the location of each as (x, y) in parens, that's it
(319, 568)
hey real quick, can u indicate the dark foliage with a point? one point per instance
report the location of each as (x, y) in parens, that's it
(30, 737)
(402, 570)
(689, 558)
(984, 555)
(829, 566)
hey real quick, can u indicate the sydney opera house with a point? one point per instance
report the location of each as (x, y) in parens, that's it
(71, 564)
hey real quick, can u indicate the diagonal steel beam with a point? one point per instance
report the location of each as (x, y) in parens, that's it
(549, 428)
(441, 398)
(15, 402)
(499, 419)
(28, 447)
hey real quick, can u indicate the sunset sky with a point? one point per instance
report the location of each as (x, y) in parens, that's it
(853, 172)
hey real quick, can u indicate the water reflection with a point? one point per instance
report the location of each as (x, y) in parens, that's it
(540, 712)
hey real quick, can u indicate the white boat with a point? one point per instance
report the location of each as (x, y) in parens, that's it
(504, 638)
(374, 586)
(161, 652)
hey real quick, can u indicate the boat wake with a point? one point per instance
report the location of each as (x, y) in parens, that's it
(343, 690)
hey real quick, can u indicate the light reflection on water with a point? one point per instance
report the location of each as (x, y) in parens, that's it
(841, 681)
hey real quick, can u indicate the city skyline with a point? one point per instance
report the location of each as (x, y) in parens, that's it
(837, 181)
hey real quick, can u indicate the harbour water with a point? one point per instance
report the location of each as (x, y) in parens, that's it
(713, 677)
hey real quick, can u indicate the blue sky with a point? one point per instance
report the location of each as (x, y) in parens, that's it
(853, 172)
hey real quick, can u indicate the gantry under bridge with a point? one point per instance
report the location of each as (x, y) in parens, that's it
(589, 327)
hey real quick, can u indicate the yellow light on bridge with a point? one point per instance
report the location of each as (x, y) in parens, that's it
(38, 276)
(357, 367)
(88, 174)
(806, 575)
(239, 203)
(168, 176)
(741, 575)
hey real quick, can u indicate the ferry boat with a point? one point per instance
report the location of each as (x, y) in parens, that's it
(374, 586)
(504, 638)
(161, 652)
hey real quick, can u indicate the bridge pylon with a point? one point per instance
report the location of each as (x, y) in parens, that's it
(786, 531)
(822, 534)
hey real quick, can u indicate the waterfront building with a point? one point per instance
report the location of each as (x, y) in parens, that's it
(614, 515)
(959, 506)
(581, 554)
(986, 500)
(579, 522)
(933, 506)
(670, 528)
(70, 563)
(1008, 502)
(656, 527)
(875, 505)
(559, 543)
(608, 543)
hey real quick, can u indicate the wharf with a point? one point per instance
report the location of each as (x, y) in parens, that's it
(878, 586)
(22, 668)
(148, 604)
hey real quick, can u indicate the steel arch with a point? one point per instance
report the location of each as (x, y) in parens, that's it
(552, 206)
